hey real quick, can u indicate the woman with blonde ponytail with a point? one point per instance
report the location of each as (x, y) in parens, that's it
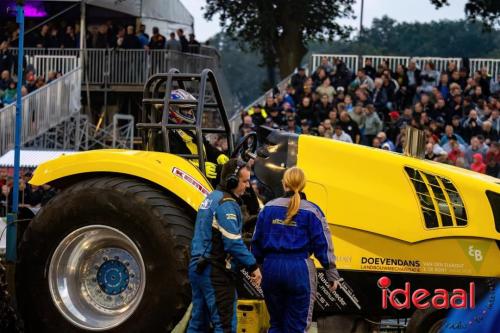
(289, 230)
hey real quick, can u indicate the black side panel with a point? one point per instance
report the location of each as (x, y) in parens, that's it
(494, 199)
(279, 151)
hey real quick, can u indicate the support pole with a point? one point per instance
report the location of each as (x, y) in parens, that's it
(12, 217)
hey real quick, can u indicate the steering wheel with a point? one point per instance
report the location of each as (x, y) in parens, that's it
(246, 148)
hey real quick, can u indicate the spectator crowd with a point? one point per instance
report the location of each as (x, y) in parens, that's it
(106, 35)
(29, 195)
(457, 109)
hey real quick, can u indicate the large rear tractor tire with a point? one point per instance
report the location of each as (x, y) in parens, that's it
(429, 320)
(107, 254)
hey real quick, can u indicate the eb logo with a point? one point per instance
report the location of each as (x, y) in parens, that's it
(475, 253)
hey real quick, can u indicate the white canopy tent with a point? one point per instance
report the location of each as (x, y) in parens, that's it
(167, 15)
(31, 158)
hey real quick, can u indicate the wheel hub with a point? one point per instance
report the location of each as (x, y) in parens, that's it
(113, 277)
(97, 277)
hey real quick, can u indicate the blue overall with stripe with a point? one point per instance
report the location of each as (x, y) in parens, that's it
(217, 237)
(289, 275)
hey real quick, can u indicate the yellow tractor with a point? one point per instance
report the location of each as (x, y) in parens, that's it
(110, 251)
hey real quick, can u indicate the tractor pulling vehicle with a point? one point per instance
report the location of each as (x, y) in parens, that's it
(110, 251)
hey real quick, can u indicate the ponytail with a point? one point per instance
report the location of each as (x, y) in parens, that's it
(294, 180)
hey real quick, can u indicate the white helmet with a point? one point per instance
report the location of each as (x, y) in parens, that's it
(184, 112)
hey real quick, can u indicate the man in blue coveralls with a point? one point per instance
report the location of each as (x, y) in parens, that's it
(217, 250)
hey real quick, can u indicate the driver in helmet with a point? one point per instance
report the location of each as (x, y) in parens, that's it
(184, 141)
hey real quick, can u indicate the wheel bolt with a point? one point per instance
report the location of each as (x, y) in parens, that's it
(117, 258)
(105, 258)
(127, 263)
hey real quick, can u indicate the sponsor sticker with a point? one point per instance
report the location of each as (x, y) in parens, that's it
(189, 179)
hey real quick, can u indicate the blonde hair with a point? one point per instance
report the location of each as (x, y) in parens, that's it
(294, 180)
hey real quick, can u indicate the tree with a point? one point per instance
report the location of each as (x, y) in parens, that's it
(281, 29)
(487, 11)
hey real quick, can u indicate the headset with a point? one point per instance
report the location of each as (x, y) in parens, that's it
(233, 180)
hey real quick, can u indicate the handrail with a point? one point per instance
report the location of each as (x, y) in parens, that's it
(43, 109)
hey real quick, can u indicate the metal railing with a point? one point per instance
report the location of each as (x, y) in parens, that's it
(441, 64)
(350, 60)
(125, 66)
(42, 109)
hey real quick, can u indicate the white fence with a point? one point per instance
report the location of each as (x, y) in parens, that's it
(121, 66)
(42, 109)
(45, 64)
(350, 60)
(441, 64)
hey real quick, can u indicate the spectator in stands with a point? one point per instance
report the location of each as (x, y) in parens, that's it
(495, 85)
(305, 109)
(402, 80)
(6, 57)
(369, 69)
(414, 80)
(9, 95)
(340, 135)
(157, 41)
(101, 40)
(193, 44)
(380, 96)
(4, 80)
(69, 38)
(493, 160)
(30, 81)
(358, 116)
(322, 109)
(182, 39)
(120, 37)
(382, 137)
(472, 125)
(43, 39)
(173, 44)
(305, 127)
(326, 89)
(54, 40)
(391, 87)
(143, 36)
(298, 79)
(490, 135)
(429, 77)
(131, 41)
(373, 124)
(258, 115)
(478, 165)
(363, 81)
(475, 147)
(291, 125)
(350, 127)
(327, 66)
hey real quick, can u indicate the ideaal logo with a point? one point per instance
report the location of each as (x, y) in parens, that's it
(424, 299)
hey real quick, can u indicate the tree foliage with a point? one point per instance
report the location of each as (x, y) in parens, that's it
(280, 29)
(486, 11)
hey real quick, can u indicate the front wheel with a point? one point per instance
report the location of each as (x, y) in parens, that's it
(107, 254)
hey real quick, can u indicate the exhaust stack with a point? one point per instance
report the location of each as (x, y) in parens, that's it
(414, 143)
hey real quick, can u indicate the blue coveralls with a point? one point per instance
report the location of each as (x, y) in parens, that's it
(289, 275)
(217, 237)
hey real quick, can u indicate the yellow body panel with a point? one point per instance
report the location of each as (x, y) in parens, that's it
(152, 166)
(368, 189)
(375, 217)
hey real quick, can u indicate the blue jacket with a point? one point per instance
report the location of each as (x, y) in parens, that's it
(307, 234)
(217, 233)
